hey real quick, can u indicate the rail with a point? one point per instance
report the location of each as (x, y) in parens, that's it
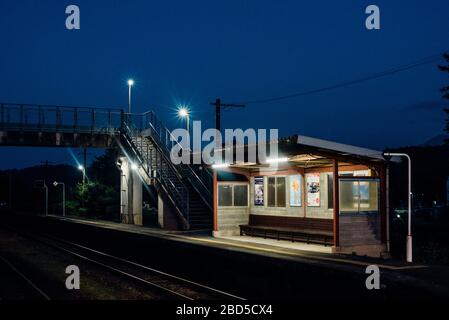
(50, 118)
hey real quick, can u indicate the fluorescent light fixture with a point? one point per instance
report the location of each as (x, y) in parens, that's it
(276, 160)
(305, 157)
(239, 163)
(220, 165)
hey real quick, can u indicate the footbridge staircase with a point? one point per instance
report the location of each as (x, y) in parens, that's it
(144, 138)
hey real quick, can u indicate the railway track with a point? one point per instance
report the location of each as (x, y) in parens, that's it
(36, 291)
(170, 287)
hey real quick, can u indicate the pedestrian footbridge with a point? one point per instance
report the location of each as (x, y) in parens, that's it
(143, 143)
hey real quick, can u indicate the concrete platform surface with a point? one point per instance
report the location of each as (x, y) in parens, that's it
(252, 245)
(254, 259)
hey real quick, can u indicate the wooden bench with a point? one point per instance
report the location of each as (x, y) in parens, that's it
(310, 230)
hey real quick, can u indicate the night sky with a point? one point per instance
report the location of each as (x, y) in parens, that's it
(190, 52)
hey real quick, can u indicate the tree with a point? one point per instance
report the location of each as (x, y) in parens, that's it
(99, 196)
(103, 169)
(445, 91)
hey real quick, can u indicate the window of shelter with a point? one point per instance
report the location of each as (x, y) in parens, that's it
(276, 192)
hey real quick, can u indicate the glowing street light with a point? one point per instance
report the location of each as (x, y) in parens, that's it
(130, 84)
(83, 170)
(183, 112)
(220, 165)
(276, 160)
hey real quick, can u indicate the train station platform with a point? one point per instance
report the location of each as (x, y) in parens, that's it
(279, 249)
(192, 254)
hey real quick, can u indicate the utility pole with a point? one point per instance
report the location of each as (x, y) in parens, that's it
(85, 158)
(56, 183)
(218, 105)
(10, 191)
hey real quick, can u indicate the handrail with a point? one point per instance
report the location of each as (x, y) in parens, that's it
(28, 117)
(178, 189)
(197, 182)
(119, 109)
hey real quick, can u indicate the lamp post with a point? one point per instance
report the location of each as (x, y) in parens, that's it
(83, 170)
(46, 198)
(183, 112)
(409, 246)
(130, 84)
(63, 195)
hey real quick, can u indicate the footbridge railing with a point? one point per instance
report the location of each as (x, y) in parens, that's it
(48, 118)
(199, 176)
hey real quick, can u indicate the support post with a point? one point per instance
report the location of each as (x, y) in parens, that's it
(387, 200)
(336, 204)
(409, 245)
(131, 194)
(136, 198)
(383, 205)
(215, 199)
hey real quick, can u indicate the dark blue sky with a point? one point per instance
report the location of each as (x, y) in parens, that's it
(194, 51)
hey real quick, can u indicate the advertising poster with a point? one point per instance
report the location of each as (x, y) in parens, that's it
(313, 189)
(295, 190)
(258, 191)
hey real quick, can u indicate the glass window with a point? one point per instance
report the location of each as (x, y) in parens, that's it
(280, 192)
(349, 196)
(224, 195)
(276, 192)
(240, 195)
(271, 192)
(369, 195)
(359, 196)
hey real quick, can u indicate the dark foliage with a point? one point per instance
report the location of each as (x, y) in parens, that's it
(98, 197)
(445, 91)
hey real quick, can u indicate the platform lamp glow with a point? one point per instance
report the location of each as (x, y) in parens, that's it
(83, 170)
(183, 112)
(130, 84)
(409, 246)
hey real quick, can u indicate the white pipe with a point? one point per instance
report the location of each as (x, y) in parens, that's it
(409, 248)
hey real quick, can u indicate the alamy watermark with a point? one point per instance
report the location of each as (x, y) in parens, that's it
(73, 20)
(238, 146)
(373, 280)
(72, 282)
(372, 22)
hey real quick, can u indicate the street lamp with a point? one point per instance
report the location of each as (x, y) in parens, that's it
(409, 252)
(83, 170)
(56, 183)
(183, 112)
(130, 84)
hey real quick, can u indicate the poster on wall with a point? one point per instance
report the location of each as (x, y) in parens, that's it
(295, 191)
(313, 189)
(258, 191)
